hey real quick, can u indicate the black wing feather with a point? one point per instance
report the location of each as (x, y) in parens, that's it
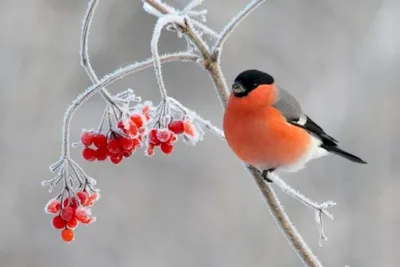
(311, 127)
(328, 142)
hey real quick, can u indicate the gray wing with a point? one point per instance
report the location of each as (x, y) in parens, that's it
(288, 105)
(291, 110)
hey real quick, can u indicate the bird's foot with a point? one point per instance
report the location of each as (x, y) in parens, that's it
(265, 173)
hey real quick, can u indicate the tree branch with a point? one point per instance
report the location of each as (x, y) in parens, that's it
(212, 66)
(233, 23)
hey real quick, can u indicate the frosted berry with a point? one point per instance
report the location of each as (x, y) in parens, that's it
(67, 235)
(163, 135)
(73, 203)
(137, 142)
(137, 120)
(58, 222)
(89, 154)
(133, 130)
(173, 138)
(67, 213)
(167, 148)
(87, 138)
(126, 143)
(150, 150)
(145, 112)
(81, 214)
(100, 140)
(127, 154)
(153, 139)
(83, 197)
(114, 146)
(189, 129)
(116, 158)
(72, 223)
(176, 126)
(101, 153)
(53, 206)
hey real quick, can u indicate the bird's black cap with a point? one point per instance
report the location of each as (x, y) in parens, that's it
(248, 80)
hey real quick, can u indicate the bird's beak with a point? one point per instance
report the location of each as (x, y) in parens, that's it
(238, 88)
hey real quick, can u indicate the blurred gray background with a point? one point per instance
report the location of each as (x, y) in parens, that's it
(200, 207)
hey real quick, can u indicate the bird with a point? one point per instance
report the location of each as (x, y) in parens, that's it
(265, 126)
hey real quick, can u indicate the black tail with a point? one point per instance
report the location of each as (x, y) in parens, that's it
(338, 151)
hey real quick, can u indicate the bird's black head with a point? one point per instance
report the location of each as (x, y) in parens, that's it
(249, 80)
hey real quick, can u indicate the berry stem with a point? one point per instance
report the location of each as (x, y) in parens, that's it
(161, 23)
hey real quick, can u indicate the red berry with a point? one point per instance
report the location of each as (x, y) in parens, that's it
(133, 130)
(101, 153)
(81, 214)
(173, 138)
(73, 203)
(100, 140)
(67, 213)
(53, 206)
(150, 150)
(167, 148)
(58, 222)
(127, 154)
(89, 154)
(126, 143)
(153, 139)
(176, 126)
(137, 119)
(72, 223)
(136, 143)
(83, 197)
(116, 158)
(189, 129)
(121, 126)
(67, 235)
(145, 111)
(114, 146)
(92, 198)
(163, 135)
(87, 138)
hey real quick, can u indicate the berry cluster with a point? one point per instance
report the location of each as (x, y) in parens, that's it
(71, 211)
(166, 137)
(116, 144)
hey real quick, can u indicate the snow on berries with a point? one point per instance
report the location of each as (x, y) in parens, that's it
(74, 210)
(123, 130)
(119, 143)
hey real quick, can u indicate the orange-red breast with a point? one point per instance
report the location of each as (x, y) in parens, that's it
(266, 127)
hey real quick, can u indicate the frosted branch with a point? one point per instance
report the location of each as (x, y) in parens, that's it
(85, 60)
(191, 5)
(234, 23)
(284, 222)
(205, 29)
(197, 118)
(161, 23)
(319, 208)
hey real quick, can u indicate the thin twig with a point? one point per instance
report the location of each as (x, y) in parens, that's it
(161, 23)
(233, 23)
(85, 61)
(205, 123)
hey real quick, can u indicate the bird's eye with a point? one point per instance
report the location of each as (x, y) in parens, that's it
(255, 84)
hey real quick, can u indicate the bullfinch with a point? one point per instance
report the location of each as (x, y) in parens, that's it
(265, 127)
